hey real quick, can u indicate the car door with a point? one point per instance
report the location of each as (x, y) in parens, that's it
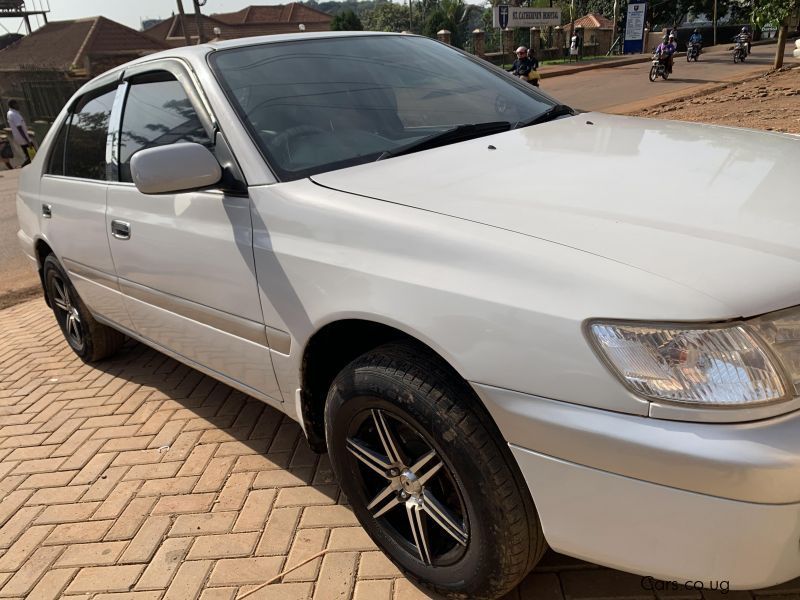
(73, 195)
(185, 260)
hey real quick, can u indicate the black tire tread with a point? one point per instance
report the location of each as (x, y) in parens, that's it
(524, 543)
(105, 341)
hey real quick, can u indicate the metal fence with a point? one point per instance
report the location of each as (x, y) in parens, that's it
(46, 98)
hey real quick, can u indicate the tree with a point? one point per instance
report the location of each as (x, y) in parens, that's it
(776, 12)
(346, 21)
(452, 15)
(387, 17)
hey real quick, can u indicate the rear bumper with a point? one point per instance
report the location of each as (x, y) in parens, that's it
(667, 499)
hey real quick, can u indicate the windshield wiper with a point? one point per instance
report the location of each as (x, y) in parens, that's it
(559, 110)
(459, 133)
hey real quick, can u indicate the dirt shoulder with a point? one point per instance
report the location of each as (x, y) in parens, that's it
(770, 102)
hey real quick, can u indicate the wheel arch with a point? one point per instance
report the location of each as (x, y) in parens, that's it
(331, 348)
(43, 250)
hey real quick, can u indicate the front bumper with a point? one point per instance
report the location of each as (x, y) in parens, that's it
(673, 500)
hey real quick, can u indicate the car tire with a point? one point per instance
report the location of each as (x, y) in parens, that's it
(90, 340)
(460, 522)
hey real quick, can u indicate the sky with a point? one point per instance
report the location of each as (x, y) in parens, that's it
(128, 12)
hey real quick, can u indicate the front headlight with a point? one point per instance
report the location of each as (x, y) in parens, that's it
(713, 365)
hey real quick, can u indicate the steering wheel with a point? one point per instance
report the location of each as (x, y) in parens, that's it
(284, 138)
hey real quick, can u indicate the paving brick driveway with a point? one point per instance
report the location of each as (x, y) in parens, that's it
(142, 479)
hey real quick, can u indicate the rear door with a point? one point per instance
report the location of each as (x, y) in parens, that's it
(185, 261)
(73, 197)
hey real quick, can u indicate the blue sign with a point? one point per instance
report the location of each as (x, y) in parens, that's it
(634, 28)
(503, 16)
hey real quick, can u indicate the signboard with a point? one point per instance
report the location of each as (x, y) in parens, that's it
(525, 16)
(634, 28)
(503, 16)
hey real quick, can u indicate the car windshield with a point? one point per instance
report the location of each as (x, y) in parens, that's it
(321, 104)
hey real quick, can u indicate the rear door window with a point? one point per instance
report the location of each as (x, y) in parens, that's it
(157, 112)
(86, 136)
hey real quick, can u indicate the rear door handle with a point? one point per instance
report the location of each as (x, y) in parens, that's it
(47, 211)
(121, 230)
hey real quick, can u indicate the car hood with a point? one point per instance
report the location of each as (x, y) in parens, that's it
(712, 208)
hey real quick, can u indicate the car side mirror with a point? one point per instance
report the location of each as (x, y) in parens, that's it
(178, 167)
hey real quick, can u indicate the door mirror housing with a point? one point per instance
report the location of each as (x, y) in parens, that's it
(178, 167)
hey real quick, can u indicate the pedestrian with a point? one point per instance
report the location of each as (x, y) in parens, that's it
(6, 152)
(573, 46)
(19, 131)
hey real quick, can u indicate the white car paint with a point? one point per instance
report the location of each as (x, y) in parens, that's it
(618, 217)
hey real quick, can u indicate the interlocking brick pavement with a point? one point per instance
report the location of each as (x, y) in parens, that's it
(141, 479)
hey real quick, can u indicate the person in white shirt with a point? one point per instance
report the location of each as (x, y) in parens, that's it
(19, 130)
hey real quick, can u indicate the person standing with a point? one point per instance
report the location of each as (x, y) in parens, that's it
(573, 46)
(19, 130)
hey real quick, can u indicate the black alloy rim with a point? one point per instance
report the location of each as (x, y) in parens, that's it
(408, 488)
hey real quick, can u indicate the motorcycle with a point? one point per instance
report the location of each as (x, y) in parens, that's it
(692, 51)
(739, 52)
(659, 67)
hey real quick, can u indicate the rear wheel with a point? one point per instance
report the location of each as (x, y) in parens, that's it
(428, 475)
(89, 339)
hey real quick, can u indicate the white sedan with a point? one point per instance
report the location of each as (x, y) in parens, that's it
(511, 326)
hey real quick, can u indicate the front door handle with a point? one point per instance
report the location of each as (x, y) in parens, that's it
(47, 211)
(121, 230)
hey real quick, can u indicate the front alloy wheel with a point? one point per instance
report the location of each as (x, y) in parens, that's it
(414, 496)
(428, 474)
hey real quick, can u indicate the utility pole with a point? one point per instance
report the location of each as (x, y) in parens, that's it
(715, 22)
(616, 19)
(201, 38)
(572, 22)
(183, 23)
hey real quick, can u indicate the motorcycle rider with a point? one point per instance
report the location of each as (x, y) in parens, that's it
(522, 65)
(665, 50)
(696, 38)
(744, 37)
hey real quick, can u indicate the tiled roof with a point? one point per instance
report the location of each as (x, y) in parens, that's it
(171, 29)
(250, 21)
(594, 21)
(64, 44)
(293, 12)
